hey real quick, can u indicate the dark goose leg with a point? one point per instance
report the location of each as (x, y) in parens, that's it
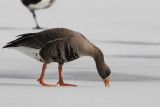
(41, 79)
(60, 82)
(34, 16)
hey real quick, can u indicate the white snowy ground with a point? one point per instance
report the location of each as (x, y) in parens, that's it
(128, 32)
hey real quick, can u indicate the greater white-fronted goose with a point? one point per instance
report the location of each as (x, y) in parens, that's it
(60, 45)
(33, 5)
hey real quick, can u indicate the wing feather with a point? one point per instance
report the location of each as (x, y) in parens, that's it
(59, 50)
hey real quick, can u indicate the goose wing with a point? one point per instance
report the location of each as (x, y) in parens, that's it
(28, 2)
(59, 50)
(31, 40)
(40, 39)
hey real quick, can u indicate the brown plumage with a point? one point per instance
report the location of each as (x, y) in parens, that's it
(60, 45)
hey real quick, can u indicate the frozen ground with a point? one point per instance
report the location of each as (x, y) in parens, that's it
(128, 32)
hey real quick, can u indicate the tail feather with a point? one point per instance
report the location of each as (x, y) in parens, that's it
(10, 45)
(21, 37)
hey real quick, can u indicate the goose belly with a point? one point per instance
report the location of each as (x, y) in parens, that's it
(41, 4)
(34, 53)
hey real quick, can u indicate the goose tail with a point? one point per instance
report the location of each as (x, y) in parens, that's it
(20, 38)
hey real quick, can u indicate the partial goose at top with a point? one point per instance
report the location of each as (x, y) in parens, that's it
(60, 45)
(33, 5)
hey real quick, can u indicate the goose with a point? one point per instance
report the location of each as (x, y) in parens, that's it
(33, 5)
(60, 45)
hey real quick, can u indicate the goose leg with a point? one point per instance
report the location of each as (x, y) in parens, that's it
(41, 79)
(34, 16)
(60, 82)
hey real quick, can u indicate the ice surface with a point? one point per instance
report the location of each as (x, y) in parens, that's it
(128, 32)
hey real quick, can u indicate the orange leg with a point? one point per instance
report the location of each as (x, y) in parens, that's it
(60, 82)
(41, 79)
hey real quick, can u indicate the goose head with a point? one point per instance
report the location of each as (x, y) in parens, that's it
(103, 70)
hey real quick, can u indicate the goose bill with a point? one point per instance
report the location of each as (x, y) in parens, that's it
(107, 82)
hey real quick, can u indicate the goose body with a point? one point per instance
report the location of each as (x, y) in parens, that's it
(37, 4)
(33, 5)
(59, 45)
(55, 45)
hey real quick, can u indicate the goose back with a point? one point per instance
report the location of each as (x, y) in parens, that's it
(38, 40)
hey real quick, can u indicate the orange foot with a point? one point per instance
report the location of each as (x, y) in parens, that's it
(64, 84)
(45, 84)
